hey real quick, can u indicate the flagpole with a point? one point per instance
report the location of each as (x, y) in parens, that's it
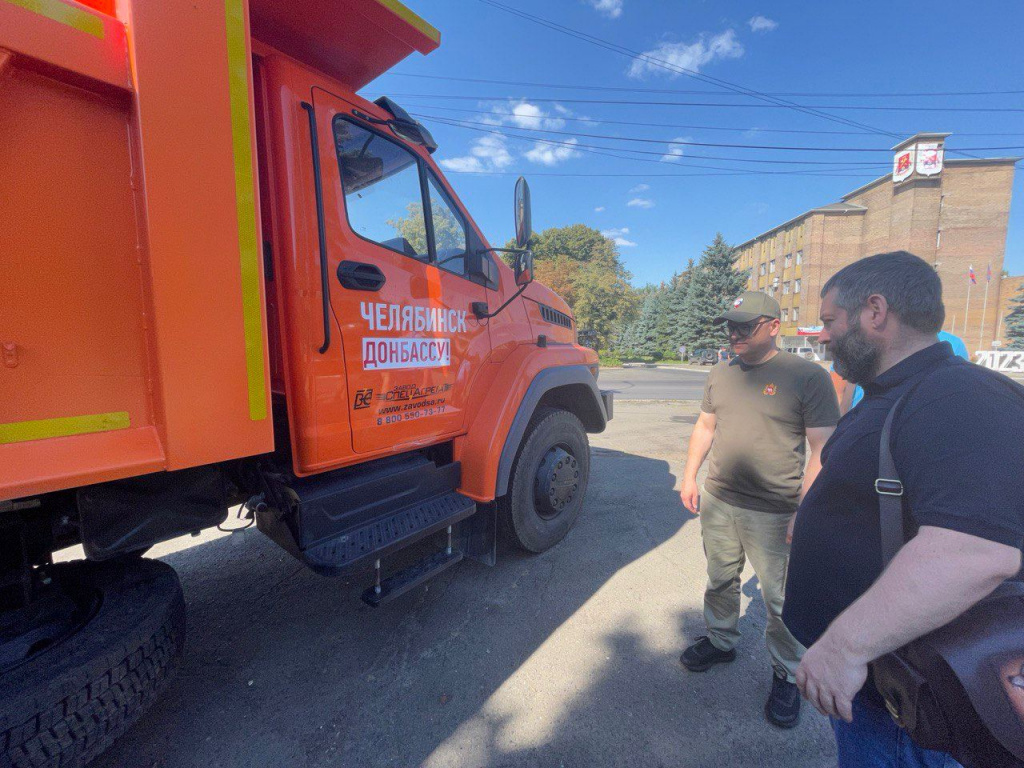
(967, 309)
(984, 309)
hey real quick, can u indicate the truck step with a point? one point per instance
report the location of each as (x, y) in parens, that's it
(388, 533)
(401, 582)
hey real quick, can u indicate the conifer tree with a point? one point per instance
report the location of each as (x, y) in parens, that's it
(714, 284)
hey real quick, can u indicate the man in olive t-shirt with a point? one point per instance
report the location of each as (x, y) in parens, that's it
(758, 410)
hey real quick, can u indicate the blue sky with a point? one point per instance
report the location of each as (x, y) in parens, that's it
(829, 53)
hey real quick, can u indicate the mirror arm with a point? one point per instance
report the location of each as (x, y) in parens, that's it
(503, 250)
(480, 307)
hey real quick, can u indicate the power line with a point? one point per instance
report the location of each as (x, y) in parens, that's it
(642, 175)
(682, 142)
(580, 87)
(650, 103)
(597, 149)
(622, 50)
(677, 126)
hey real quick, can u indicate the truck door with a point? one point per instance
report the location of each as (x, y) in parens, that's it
(398, 290)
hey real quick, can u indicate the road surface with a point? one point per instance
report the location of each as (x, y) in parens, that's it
(567, 659)
(664, 383)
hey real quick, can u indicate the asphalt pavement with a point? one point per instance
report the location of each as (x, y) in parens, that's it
(561, 660)
(661, 383)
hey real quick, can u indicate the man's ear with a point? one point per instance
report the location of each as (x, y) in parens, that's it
(774, 327)
(878, 310)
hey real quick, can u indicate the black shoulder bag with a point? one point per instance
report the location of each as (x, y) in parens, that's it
(959, 689)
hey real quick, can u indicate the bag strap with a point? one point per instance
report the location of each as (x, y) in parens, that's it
(889, 488)
(888, 485)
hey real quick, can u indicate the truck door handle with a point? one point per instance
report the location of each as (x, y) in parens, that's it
(360, 276)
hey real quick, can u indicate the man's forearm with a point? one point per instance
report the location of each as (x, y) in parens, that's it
(700, 444)
(933, 579)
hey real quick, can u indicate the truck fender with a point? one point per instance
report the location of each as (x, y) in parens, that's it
(572, 387)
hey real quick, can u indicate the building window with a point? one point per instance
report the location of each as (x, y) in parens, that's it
(789, 260)
(799, 258)
(771, 266)
(796, 314)
(761, 271)
(796, 286)
(785, 288)
(785, 315)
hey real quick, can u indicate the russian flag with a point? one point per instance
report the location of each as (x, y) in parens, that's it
(971, 275)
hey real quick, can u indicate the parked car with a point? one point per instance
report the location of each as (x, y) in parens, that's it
(704, 356)
(807, 353)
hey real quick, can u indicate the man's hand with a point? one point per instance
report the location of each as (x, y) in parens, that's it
(691, 496)
(829, 678)
(789, 528)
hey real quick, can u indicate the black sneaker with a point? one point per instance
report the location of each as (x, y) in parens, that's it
(783, 705)
(702, 656)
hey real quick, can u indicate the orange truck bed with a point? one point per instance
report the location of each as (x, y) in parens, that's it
(132, 316)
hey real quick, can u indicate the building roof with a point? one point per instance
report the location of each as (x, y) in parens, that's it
(845, 207)
(920, 137)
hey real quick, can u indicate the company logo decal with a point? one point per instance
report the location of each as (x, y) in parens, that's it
(363, 399)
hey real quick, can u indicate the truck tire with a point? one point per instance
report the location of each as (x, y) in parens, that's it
(548, 481)
(64, 705)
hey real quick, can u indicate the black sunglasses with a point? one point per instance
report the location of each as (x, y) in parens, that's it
(744, 330)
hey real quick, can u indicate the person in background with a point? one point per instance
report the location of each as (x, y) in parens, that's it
(963, 510)
(851, 395)
(759, 411)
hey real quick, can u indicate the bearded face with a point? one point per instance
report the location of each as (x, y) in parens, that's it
(854, 356)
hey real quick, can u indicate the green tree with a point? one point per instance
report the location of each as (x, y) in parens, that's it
(1014, 322)
(713, 285)
(583, 267)
(675, 309)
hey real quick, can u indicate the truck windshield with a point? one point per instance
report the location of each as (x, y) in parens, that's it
(381, 182)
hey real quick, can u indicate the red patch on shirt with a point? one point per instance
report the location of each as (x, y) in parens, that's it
(769, 389)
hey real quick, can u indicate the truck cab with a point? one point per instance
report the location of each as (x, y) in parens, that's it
(233, 283)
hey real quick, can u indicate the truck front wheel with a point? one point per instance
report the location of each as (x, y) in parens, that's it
(548, 481)
(88, 672)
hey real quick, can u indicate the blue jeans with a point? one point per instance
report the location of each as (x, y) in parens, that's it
(873, 740)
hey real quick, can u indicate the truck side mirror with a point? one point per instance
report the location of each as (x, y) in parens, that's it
(524, 226)
(524, 268)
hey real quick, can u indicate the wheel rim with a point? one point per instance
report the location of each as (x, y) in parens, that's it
(557, 482)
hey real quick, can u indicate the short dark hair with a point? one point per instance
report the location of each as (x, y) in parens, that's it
(909, 284)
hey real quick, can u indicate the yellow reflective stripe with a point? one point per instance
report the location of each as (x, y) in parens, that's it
(66, 14)
(20, 431)
(245, 199)
(397, 8)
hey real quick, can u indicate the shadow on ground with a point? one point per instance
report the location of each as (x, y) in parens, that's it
(568, 658)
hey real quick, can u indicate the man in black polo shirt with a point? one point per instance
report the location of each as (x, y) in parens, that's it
(958, 443)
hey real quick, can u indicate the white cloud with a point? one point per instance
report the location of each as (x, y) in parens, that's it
(488, 153)
(691, 56)
(599, 209)
(523, 114)
(551, 154)
(762, 24)
(610, 8)
(675, 151)
(639, 188)
(640, 202)
(617, 235)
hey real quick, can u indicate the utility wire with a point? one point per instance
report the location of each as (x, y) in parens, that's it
(677, 126)
(570, 86)
(682, 142)
(597, 149)
(650, 103)
(622, 50)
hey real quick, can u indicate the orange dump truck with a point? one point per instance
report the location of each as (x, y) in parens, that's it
(226, 279)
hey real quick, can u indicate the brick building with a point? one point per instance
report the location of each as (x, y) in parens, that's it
(953, 213)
